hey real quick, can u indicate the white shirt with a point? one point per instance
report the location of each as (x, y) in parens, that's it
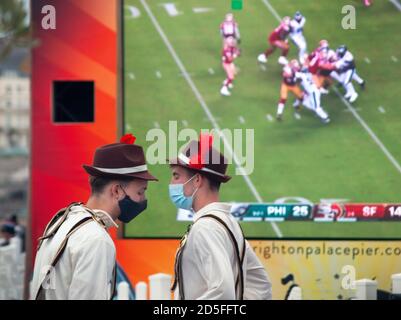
(209, 265)
(345, 61)
(297, 27)
(307, 81)
(85, 270)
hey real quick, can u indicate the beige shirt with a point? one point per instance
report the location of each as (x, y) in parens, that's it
(85, 270)
(209, 264)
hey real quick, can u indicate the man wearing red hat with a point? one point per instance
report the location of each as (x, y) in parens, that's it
(76, 257)
(214, 261)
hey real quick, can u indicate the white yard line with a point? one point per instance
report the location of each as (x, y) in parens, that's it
(131, 76)
(380, 144)
(185, 123)
(272, 10)
(381, 109)
(355, 108)
(262, 67)
(158, 74)
(208, 120)
(211, 71)
(241, 119)
(206, 109)
(394, 58)
(297, 116)
(191, 74)
(367, 60)
(269, 118)
(396, 4)
(156, 125)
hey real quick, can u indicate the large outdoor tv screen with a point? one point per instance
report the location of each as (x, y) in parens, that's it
(300, 96)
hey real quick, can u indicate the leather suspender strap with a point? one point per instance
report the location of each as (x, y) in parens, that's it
(114, 284)
(177, 265)
(240, 259)
(243, 244)
(60, 218)
(179, 274)
(40, 294)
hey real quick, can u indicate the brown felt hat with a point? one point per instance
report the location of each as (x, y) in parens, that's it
(200, 156)
(120, 160)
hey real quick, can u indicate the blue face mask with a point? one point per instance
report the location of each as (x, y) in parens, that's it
(176, 192)
(129, 209)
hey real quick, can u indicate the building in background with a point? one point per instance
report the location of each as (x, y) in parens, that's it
(15, 102)
(14, 132)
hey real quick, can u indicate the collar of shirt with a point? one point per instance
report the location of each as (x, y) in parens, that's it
(101, 214)
(214, 206)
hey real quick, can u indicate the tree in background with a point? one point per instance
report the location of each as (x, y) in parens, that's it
(14, 30)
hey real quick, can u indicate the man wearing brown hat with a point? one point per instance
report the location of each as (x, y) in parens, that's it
(76, 256)
(214, 261)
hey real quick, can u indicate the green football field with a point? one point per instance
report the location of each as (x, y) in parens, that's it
(356, 157)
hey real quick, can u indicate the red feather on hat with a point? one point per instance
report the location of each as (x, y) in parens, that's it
(129, 138)
(197, 161)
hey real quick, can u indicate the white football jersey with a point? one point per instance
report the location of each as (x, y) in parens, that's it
(347, 60)
(297, 27)
(306, 81)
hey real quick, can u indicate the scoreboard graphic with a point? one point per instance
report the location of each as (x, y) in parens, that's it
(322, 212)
(272, 212)
(357, 212)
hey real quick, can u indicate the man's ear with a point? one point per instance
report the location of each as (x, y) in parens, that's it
(199, 180)
(115, 190)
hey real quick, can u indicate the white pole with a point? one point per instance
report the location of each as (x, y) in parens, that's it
(141, 291)
(366, 289)
(123, 291)
(396, 283)
(160, 286)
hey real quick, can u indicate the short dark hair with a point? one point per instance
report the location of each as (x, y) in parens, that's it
(97, 184)
(214, 185)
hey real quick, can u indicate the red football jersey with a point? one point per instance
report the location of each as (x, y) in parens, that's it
(314, 64)
(289, 76)
(229, 54)
(317, 64)
(279, 34)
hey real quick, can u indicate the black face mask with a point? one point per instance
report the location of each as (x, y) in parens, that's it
(129, 209)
